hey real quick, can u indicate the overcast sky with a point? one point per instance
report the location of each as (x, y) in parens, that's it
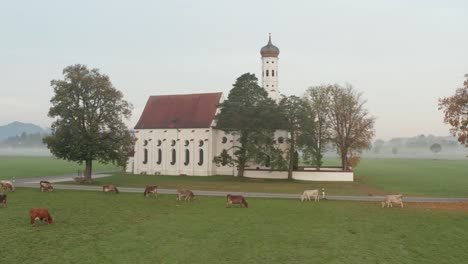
(402, 55)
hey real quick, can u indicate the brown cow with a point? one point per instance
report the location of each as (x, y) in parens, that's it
(187, 194)
(3, 199)
(40, 213)
(151, 189)
(7, 186)
(45, 186)
(236, 199)
(110, 188)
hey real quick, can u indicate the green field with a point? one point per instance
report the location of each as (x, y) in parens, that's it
(435, 178)
(412, 177)
(93, 227)
(32, 166)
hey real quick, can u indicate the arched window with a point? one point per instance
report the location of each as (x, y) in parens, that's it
(186, 143)
(273, 73)
(173, 143)
(159, 157)
(159, 142)
(145, 156)
(224, 140)
(145, 143)
(173, 157)
(187, 157)
(267, 73)
(200, 158)
(200, 143)
(281, 140)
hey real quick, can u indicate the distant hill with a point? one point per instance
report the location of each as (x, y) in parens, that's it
(16, 128)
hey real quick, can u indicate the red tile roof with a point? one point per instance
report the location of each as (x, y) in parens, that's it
(179, 111)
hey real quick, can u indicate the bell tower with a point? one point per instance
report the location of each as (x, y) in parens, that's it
(270, 70)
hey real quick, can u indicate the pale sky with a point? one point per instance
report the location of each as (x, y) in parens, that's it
(402, 55)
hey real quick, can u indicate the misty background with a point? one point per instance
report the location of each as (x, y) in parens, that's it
(402, 55)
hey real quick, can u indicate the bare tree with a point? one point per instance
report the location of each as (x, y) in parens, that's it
(352, 127)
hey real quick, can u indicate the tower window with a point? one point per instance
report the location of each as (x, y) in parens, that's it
(267, 73)
(272, 72)
(224, 140)
(267, 85)
(268, 62)
(272, 62)
(272, 85)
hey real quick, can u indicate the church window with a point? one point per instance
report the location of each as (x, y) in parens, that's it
(224, 140)
(272, 62)
(281, 140)
(145, 156)
(200, 158)
(186, 143)
(268, 62)
(159, 157)
(187, 157)
(224, 156)
(200, 143)
(272, 85)
(267, 73)
(173, 143)
(273, 73)
(173, 157)
(159, 142)
(267, 85)
(145, 143)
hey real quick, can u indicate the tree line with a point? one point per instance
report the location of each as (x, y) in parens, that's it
(326, 114)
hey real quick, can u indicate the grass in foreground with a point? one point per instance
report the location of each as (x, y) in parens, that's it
(93, 227)
(33, 166)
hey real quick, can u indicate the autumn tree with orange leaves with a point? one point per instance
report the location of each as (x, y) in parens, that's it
(456, 112)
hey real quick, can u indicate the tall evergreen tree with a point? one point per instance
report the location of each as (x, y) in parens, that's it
(251, 117)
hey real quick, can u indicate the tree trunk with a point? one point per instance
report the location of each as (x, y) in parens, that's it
(344, 161)
(240, 171)
(291, 155)
(88, 170)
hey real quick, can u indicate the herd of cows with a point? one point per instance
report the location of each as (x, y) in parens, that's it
(43, 214)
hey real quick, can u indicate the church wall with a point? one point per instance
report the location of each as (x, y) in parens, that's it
(168, 140)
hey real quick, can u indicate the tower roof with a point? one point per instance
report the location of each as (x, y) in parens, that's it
(269, 50)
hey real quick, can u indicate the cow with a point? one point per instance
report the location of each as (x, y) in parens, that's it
(236, 199)
(389, 200)
(151, 189)
(3, 199)
(45, 186)
(40, 213)
(186, 194)
(307, 194)
(110, 188)
(7, 186)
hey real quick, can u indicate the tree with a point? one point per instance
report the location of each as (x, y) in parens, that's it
(378, 145)
(251, 117)
(319, 100)
(88, 126)
(455, 110)
(436, 148)
(297, 119)
(351, 125)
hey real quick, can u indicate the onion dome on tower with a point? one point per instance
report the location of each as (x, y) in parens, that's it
(269, 50)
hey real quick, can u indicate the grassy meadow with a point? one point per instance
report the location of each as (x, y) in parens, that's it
(93, 227)
(33, 166)
(435, 178)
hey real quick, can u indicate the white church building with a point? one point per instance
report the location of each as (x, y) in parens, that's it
(176, 134)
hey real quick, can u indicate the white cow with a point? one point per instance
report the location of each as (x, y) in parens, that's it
(307, 194)
(389, 200)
